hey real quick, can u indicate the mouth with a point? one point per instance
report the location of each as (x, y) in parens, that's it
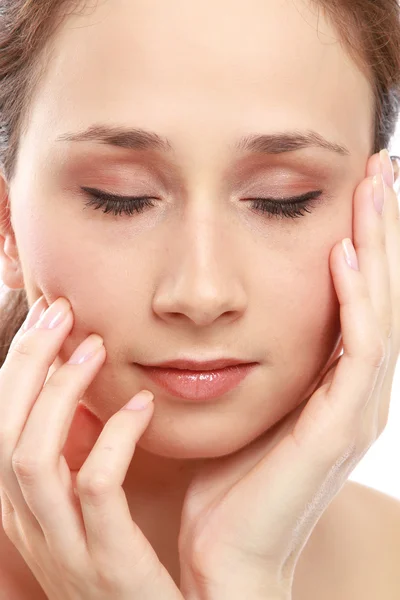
(200, 365)
(207, 381)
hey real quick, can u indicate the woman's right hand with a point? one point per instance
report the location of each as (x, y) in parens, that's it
(74, 530)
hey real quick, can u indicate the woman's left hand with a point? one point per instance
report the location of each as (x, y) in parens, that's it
(247, 516)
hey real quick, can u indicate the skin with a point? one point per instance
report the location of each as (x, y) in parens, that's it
(200, 273)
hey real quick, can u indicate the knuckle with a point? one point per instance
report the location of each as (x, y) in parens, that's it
(72, 566)
(25, 467)
(108, 579)
(57, 382)
(376, 353)
(93, 485)
(23, 348)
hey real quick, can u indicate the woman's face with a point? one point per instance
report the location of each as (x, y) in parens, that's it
(201, 273)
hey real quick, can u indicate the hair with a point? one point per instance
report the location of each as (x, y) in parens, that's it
(368, 30)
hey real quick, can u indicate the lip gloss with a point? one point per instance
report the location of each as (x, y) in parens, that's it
(198, 385)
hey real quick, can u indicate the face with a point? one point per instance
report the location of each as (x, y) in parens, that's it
(202, 270)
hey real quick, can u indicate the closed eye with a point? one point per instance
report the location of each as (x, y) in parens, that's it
(292, 207)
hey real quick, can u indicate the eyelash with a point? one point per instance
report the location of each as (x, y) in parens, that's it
(292, 208)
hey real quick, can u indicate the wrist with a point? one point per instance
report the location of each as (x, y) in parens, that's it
(236, 584)
(223, 595)
(234, 591)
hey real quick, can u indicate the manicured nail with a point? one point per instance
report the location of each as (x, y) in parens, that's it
(86, 350)
(140, 401)
(396, 165)
(35, 312)
(350, 254)
(54, 315)
(387, 167)
(378, 185)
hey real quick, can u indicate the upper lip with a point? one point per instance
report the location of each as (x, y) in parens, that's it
(196, 365)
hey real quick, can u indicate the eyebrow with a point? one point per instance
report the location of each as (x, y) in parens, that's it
(142, 139)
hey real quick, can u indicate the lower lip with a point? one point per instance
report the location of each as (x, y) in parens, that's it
(198, 385)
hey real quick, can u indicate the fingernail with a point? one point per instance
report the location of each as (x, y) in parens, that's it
(350, 254)
(378, 186)
(396, 165)
(86, 350)
(387, 167)
(140, 401)
(35, 312)
(54, 315)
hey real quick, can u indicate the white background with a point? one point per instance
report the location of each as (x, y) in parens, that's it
(379, 468)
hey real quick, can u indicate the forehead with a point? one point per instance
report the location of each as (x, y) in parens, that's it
(208, 70)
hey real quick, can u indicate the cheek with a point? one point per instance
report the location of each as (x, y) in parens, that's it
(104, 283)
(307, 324)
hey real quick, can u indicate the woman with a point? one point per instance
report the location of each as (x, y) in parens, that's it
(244, 139)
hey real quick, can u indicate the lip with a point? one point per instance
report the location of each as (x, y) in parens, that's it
(198, 385)
(197, 365)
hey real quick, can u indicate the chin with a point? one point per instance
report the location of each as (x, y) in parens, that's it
(201, 436)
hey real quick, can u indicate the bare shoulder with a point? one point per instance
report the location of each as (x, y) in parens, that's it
(17, 581)
(354, 551)
(378, 515)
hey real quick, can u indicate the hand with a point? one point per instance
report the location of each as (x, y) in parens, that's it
(67, 514)
(247, 516)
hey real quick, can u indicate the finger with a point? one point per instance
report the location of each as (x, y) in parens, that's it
(112, 535)
(392, 226)
(42, 473)
(391, 219)
(326, 436)
(21, 379)
(364, 345)
(370, 243)
(393, 258)
(395, 165)
(340, 407)
(317, 455)
(370, 229)
(22, 538)
(34, 314)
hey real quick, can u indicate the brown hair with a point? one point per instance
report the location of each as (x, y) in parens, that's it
(369, 31)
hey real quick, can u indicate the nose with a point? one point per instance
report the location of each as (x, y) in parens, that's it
(201, 279)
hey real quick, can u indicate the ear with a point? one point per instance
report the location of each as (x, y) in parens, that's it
(10, 265)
